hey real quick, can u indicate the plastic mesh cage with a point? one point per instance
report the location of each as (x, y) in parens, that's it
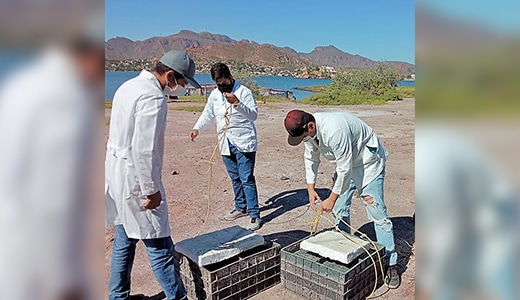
(315, 277)
(239, 277)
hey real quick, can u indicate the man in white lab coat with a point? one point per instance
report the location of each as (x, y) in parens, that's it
(48, 155)
(234, 108)
(135, 198)
(360, 160)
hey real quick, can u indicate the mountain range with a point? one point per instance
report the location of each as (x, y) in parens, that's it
(206, 48)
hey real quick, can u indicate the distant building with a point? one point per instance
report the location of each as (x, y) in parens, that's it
(328, 69)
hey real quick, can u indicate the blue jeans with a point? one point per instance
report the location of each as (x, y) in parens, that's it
(376, 212)
(161, 254)
(240, 167)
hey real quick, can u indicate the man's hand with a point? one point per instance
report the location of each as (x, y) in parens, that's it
(231, 98)
(193, 134)
(313, 195)
(327, 205)
(153, 201)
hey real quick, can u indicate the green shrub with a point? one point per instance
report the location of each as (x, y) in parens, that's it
(378, 77)
(192, 98)
(246, 79)
(406, 91)
(344, 97)
(375, 86)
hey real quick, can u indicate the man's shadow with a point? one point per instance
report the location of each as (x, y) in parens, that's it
(404, 238)
(287, 201)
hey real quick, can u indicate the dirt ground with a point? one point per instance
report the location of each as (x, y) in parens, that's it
(281, 185)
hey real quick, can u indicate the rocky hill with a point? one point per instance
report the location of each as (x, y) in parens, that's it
(262, 57)
(332, 56)
(122, 48)
(207, 48)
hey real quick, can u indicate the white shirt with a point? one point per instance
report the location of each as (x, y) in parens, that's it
(241, 131)
(343, 139)
(134, 158)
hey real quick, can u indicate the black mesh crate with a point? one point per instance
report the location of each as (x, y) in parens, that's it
(314, 277)
(239, 277)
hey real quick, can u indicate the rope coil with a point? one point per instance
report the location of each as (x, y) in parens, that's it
(211, 162)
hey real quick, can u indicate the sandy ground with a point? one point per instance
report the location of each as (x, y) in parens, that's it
(281, 185)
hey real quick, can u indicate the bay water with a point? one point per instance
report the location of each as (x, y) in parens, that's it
(113, 79)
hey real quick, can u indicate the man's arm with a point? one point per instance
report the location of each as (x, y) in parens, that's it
(246, 106)
(205, 119)
(148, 121)
(312, 162)
(341, 147)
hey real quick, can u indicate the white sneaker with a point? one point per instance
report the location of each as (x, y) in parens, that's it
(254, 224)
(234, 214)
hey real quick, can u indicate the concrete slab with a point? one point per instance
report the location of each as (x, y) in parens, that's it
(332, 244)
(219, 245)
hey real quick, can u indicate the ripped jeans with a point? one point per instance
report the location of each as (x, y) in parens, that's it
(373, 197)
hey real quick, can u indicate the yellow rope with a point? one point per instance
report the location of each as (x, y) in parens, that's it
(314, 227)
(211, 162)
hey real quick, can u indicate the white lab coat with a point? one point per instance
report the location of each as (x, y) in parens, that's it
(46, 137)
(134, 158)
(241, 131)
(344, 140)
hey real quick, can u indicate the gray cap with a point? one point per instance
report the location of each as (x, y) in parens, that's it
(182, 63)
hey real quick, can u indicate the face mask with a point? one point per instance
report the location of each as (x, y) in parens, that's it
(175, 91)
(226, 88)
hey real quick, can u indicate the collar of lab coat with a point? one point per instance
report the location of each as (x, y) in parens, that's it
(149, 75)
(235, 86)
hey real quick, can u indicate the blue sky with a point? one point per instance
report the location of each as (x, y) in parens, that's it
(377, 29)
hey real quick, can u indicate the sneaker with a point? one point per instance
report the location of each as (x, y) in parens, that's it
(233, 215)
(393, 279)
(254, 224)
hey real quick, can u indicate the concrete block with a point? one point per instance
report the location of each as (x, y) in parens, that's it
(335, 246)
(219, 245)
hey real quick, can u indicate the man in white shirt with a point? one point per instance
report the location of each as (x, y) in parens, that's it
(234, 109)
(360, 160)
(135, 198)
